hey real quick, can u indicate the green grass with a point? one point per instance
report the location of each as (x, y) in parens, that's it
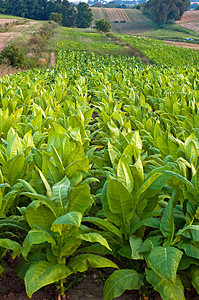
(85, 40)
(172, 33)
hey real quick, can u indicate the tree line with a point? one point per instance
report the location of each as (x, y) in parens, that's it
(72, 16)
(165, 11)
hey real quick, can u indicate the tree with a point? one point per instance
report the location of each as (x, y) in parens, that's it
(84, 15)
(103, 25)
(56, 17)
(164, 11)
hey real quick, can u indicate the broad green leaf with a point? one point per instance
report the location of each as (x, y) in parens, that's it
(43, 273)
(167, 289)
(81, 263)
(71, 244)
(14, 146)
(60, 193)
(189, 185)
(22, 226)
(11, 245)
(150, 222)
(49, 170)
(119, 199)
(151, 243)
(79, 198)
(114, 155)
(67, 221)
(95, 249)
(122, 280)
(186, 261)
(43, 199)
(94, 237)
(80, 165)
(37, 156)
(115, 218)
(36, 236)
(135, 243)
(9, 198)
(124, 174)
(104, 224)
(195, 278)
(164, 262)
(27, 187)
(12, 169)
(189, 248)
(46, 184)
(28, 140)
(39, 214)
(138, 173)
(57, 160)
(167, 221)
(190, 231)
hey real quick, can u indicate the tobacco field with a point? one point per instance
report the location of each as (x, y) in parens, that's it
(99, 166)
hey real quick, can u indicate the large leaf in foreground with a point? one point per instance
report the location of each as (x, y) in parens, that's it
(164, 262)
(166, 288)
(119, 199)
(94, 237)
(36, 236)
(122, 280)
(43, 273)
(81, 263)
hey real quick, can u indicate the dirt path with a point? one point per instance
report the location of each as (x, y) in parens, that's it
(184, 45)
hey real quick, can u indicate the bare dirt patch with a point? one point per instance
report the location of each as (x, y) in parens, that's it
(190, 20)
(189, 16)
(184, 45)
(6, 37)
(3, 21)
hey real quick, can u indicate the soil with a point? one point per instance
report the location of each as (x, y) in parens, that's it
(189, 16)
(89, 286)
(190, 20)
(184, 45)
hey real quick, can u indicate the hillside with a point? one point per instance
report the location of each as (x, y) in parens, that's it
(190, 20)
(135, 21)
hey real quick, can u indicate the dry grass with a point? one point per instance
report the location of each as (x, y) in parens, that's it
(5, 69)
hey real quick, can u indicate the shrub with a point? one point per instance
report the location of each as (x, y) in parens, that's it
(56, 17)
(103, 25)
(12, 56)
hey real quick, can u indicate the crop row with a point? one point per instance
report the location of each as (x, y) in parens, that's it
(100, 157)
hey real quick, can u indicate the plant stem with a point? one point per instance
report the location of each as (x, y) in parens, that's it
(62, 289)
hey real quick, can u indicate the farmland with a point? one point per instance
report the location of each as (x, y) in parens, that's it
(99, 169)
(135, 20)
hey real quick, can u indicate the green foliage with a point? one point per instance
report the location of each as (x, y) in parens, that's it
(12, 56)
(84, 15)
(103, 25)
(163, 11)
(100, 156)
(56, 17)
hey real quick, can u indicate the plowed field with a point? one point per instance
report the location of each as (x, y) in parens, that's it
(114, 14)
(190, 20)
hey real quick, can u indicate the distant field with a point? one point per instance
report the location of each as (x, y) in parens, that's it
(190, 20)
(136, 22)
